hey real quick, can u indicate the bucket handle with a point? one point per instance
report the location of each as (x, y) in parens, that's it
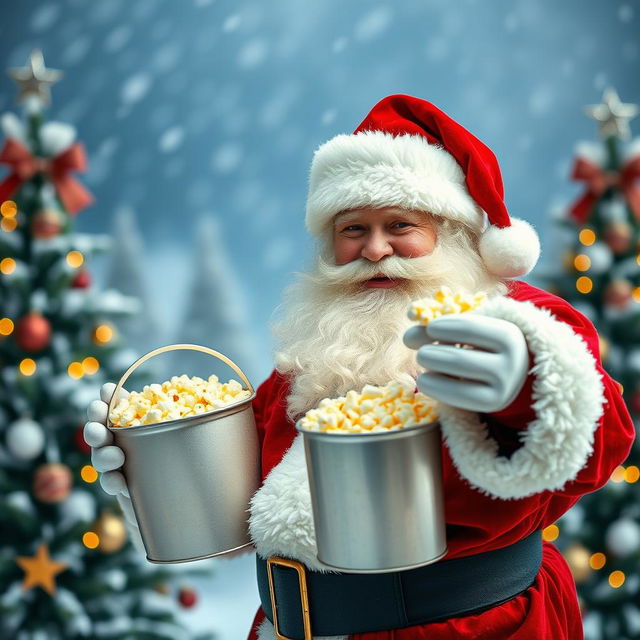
(174, 347)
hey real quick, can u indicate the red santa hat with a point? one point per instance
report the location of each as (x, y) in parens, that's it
(410, 154)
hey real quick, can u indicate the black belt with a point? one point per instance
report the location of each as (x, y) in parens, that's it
(330, 604)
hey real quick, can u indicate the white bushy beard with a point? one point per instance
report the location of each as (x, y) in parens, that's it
(334, 334)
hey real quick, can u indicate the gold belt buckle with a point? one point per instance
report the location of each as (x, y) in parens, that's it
(304, 598)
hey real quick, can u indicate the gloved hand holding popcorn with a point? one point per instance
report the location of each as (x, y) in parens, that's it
(108, 459)
(473, 362)
(179, 398)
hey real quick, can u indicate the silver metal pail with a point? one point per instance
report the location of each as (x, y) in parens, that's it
(377, 498)
(191, 479)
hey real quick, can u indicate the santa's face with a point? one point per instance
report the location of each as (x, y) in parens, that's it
(341, 326)
(373, 234)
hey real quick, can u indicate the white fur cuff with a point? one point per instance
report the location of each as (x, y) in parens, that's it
(568, 398)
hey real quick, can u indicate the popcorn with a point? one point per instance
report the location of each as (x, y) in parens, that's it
(443, 302)
(179, 397)
(375, 409)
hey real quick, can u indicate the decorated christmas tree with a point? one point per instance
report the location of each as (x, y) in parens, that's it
(67, 569)
(600, 536)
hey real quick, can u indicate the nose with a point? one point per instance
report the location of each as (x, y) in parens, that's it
(376, 247)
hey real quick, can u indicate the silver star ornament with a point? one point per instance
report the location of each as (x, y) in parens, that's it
(612, 115)
(35, 78)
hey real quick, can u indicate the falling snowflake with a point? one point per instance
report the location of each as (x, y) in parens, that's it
(253, 53)
(372, 24)
(171, 139)
(135, 88)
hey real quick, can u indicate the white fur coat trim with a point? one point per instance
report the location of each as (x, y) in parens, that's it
(568, 399)
(281, 520)
(374, 168)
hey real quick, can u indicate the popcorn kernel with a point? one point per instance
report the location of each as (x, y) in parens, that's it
(443, 302)
(375, 409)
(176, 398)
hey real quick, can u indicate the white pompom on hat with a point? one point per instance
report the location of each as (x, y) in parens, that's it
(410, 154)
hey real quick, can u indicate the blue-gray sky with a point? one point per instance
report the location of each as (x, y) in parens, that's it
(212, 107)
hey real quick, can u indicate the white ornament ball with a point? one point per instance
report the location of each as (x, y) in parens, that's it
(115, 578)
(623, 537)
(25, 439)
(80, 506)
(600, 256)
(21, 501)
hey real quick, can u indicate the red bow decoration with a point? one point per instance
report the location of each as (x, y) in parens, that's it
(24, 166)
(598, 181)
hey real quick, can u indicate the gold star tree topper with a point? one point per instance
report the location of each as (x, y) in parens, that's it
(40, 570)
(613, 115)
(35, 79)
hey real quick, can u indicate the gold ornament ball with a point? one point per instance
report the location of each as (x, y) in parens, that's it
(111, 531)
(47, 223)
(618, 294)
(577, 558)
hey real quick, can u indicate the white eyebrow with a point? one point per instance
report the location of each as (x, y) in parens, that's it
(345, 216)
(415, 216)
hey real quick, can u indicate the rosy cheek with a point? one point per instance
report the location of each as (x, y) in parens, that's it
(418, 246)
(345, 250)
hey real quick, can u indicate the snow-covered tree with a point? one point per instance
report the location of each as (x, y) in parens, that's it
(67, 569)
(216, 313)
(126, 272)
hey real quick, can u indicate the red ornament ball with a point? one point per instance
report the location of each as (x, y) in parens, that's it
(33, 332)
(47, 223)
(618, 294)
(52, 483)
(82, 280)
(618, 236)
(78, 436)
(187, 597)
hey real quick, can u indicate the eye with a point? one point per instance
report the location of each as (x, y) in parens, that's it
(352, 229)
(401, 224)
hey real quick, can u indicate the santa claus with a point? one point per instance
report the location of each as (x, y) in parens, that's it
(410, 202)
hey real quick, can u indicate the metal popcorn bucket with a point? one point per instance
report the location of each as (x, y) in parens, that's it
(377, 498)
(191, 479)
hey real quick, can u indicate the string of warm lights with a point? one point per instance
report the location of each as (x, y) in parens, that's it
(74, 258)
(7, 266)
(6, 326)
(88, 366)
(581, 262)
(630, 474)
(88, 474)
(9, 211)
(102, 334)
(598, 560)
(27, 366)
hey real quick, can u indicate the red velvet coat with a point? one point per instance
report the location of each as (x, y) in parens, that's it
(493, 501)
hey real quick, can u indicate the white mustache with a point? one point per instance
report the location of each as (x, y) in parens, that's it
(361, 270)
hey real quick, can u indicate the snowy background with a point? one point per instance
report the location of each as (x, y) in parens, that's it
(195, 110)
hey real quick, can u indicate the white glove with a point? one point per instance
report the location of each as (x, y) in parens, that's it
(106, 458)
(487, 357)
